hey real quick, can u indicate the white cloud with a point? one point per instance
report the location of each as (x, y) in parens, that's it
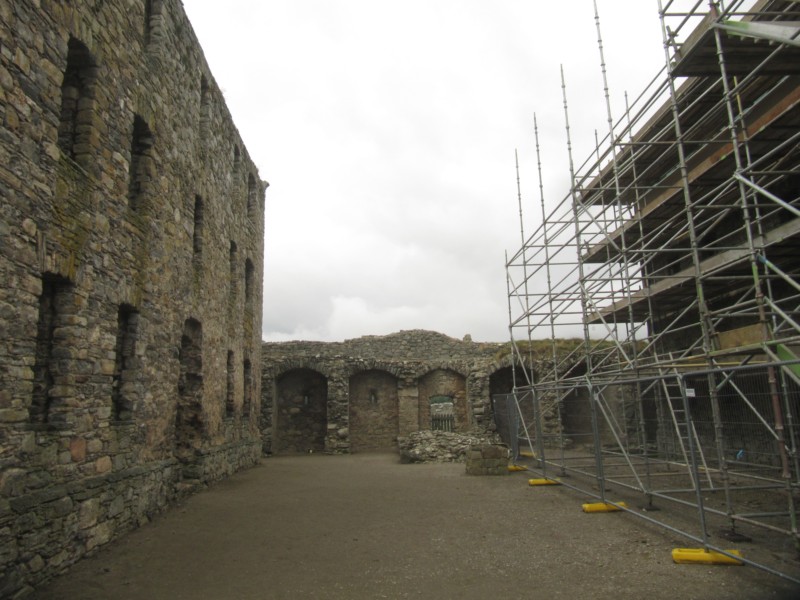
(387, 132)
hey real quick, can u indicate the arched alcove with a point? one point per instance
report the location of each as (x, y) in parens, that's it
(300, 417)
(443, 391)
(374, 414)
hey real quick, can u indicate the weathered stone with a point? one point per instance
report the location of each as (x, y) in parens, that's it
(89, 513)
(131, 259)
(442, 446)
(77, 449)
(103, 464)
(488, 459)
(378, 388)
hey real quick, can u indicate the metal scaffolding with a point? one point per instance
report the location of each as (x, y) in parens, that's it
(673, 265)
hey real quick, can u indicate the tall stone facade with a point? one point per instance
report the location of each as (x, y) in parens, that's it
(362, 394)
(131, 244)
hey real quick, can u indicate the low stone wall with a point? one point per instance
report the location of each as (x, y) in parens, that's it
(488, 459)
(440, 446)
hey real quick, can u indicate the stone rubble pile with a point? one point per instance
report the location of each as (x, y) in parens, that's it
(441, 446)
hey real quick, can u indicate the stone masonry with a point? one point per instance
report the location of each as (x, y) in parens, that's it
(363, 394)
(131, 245)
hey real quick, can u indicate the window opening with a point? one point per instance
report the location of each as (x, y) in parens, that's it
(188, 421)
(248, 389)
(252, 198)
(229, 393)
(53, 302)
(141, 165)
(152, 21)
(249, 276)
(233, 279)
(75, 125)
(442, 413)
(122, 389)
(205, 105)
(197, 234)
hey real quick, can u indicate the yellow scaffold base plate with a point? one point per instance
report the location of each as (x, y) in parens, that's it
(515, 468)
(526, 454)
(594, 507)
(544, 482)
(704, 557)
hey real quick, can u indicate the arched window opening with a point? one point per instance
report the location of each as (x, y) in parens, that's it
(205, 106)
(233, 279)
(197, 233)
(252, 198)
(230, 385)
(152, 22)
(249, 284)
(77, 104)
(141, 165)
(54, 303)
(125, 365)
(188, 420)
(247, 401)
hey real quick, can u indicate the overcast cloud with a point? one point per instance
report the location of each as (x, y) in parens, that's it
(387, 132)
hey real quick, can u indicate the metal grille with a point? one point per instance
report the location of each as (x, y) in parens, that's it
(443, 422)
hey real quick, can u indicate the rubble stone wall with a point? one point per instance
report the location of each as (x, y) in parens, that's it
(131, 245)
(379, 388)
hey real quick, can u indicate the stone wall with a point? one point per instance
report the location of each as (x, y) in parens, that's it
(131, 259)
(378, 388)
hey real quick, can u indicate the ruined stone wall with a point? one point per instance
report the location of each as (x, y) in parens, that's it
(378, 388)
(131, 223)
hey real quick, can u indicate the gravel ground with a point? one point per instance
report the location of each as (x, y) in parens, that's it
(365, 526)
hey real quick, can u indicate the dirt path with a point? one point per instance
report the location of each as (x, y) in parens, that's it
(364, 526)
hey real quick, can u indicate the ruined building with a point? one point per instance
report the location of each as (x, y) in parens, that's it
(131, 244)
(361, 394)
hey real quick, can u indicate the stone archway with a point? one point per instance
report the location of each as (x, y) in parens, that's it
(300, 419)
(373, 411)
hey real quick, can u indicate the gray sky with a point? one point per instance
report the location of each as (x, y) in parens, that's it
(387, 131)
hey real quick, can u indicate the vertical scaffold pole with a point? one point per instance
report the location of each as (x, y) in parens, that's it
(583, 296)
(688, 209)
(553, 378)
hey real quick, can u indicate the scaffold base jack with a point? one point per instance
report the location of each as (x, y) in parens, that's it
(705, 557)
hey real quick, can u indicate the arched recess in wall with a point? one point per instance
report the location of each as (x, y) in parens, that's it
(126, 365)
(189, 410)
(76, 127)
(153, 23)
(233, 280)
(442, 394)
(374, 411)
(56, 308)
(197, 234)
(504, 411)
(249, 286)
(252, 198)
(142, 165)
(301, 414)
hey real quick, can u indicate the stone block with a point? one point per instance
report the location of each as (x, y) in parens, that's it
(116, 507)
(77, 449)
(99, 535)
(103, 464)
(13, 415)
(89, 513)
